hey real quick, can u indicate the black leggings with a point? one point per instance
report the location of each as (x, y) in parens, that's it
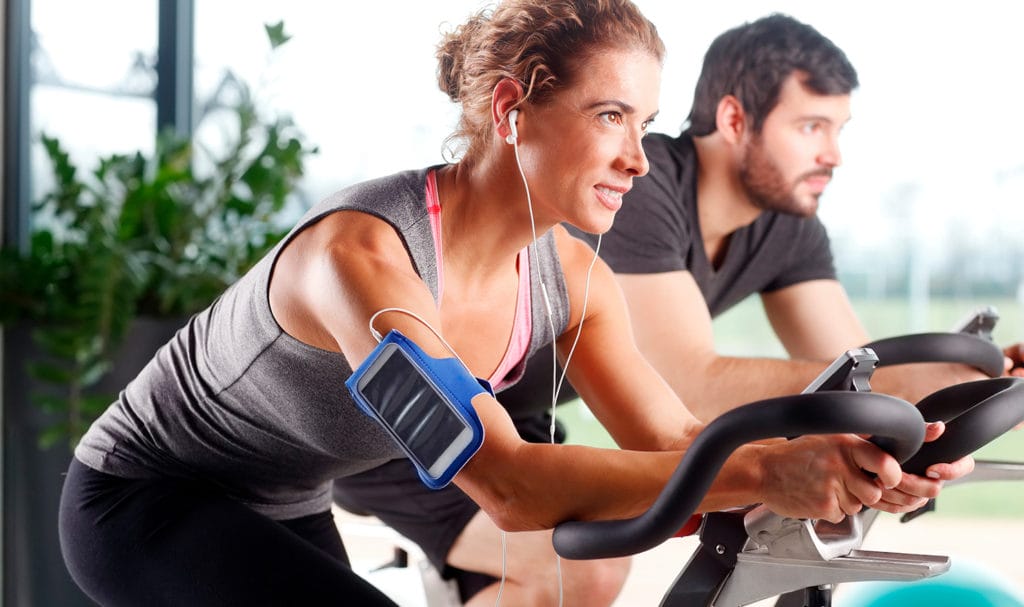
(173, 542)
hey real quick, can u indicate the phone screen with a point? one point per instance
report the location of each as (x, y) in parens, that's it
(430, 429)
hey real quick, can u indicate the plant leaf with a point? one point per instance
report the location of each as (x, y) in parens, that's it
(276, 35)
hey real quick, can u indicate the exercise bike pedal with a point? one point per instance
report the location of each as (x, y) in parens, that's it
(759, 575)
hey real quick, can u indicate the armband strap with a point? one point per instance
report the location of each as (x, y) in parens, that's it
(451, 382)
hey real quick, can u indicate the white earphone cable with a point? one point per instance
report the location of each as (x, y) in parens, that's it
(557, 381)
(376, 334)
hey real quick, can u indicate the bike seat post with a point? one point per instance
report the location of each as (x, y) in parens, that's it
(722, 537)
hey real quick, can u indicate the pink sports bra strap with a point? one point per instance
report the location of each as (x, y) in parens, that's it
(522, 325)
(434, 211)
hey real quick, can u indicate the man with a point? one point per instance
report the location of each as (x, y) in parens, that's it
(728, 210)
(448, 525)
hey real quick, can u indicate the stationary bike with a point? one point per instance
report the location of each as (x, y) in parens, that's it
(751, 554)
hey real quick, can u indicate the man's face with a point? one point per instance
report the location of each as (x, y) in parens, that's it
(786, 166)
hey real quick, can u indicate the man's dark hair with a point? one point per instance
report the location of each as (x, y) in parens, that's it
(752, 61)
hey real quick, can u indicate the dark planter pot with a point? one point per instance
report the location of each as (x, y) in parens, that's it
(33, 570)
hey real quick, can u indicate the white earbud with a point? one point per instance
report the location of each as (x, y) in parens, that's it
(513, 136)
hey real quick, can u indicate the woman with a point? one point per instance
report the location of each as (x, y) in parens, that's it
(207, 482)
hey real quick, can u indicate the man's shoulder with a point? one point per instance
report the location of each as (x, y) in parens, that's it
(789, 227)
(665, 151)
(670, 179)
(653, 231)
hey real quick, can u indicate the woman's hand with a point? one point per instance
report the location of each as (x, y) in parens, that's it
(824, 477)
(912, 488)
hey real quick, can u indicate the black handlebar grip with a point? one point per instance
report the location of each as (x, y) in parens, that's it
(999, 406)
(814, 413)
(971, 350)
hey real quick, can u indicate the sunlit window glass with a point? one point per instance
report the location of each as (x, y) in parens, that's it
(93, 76)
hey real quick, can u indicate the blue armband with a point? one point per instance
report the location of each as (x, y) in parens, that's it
(424, 403)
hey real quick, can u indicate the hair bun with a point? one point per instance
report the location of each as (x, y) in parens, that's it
(451, 55)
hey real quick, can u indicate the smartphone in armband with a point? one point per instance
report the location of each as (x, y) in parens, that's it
(424, 403)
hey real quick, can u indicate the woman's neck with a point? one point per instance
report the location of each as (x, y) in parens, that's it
(485, 221)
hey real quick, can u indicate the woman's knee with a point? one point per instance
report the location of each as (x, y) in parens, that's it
(596, 582)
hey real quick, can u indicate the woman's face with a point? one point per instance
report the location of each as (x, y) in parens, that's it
(581, 150)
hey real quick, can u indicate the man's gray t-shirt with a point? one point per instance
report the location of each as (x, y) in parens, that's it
(657, 230)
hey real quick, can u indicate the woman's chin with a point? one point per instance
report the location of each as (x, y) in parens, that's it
(592, 227)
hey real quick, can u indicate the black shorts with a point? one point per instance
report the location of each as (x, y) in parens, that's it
(432, 519)
(167, 541)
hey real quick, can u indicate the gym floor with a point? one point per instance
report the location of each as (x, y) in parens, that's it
(994, 544)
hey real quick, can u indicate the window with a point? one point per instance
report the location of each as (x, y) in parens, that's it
(924, 214)
(93, 68)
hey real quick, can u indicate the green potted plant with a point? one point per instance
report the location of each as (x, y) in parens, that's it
(142, 237)
(118, 258)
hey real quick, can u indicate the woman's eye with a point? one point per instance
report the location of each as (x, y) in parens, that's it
(612, 117)
(810, 127)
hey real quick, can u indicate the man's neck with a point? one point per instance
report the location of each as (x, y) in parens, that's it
(722, 205)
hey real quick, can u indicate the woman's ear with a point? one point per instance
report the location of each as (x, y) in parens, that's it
(730, 119)
(507, 96)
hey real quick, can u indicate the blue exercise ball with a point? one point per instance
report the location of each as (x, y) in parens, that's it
(966, 584)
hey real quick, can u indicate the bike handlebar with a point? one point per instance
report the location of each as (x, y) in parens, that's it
(998, 407)
(975, 412)
(972, 350)
(815, 413)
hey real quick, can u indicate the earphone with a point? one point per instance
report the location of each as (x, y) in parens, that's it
(513, 136)
(513, 139)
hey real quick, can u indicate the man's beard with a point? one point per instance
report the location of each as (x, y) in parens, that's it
(767, 188)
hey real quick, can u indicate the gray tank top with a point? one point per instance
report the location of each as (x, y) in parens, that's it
(234, 401)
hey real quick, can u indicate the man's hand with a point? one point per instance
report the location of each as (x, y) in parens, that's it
(913, 489)
(1015, 359)
(1015, 365)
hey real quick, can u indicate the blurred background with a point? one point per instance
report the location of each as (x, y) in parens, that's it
(926, 214)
